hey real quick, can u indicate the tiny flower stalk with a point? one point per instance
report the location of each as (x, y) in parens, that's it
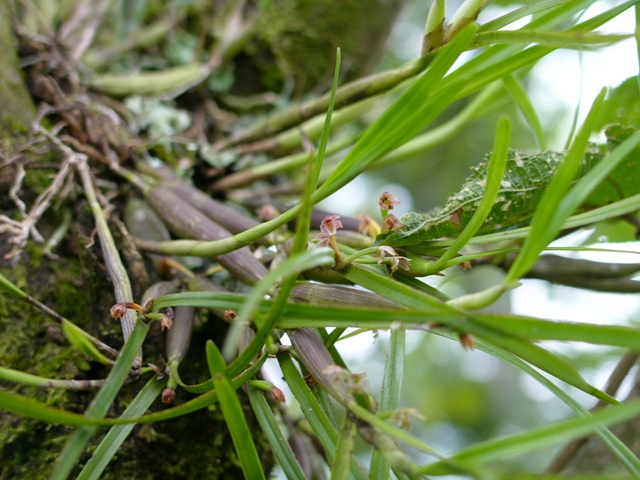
(385, 255)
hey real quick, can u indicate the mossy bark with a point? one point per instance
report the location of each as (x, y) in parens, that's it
(16, 107)
(296, 41)
(75, 284)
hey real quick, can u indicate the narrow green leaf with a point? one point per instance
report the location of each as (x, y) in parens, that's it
(100, 405)
(118, 434)
(279, 445)
(344, 449)
(487, 101)
(291, 267)
(620, 450)
(393, 290)
(541, 358)
(30, 408)
(7, 286)
(537, 329)
(402, 121)
(537, 356)
(565, 39)
(23, 378)
(233, 415)
(78, 338)
(313, 412)
(390, 395)
(27, 407)
(517, 91)
(496, 450)
(533, 9)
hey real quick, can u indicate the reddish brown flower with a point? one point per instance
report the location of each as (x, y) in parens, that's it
(388, 201)
(277, 395)
(168, 394)
(330, 224)
(466, 341)
(367, 225)
(166, 322)
(391, 223)
(119, 310)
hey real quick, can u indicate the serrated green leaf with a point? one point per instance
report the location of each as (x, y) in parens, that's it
(526, 178)
(622, 105)
(624, 180)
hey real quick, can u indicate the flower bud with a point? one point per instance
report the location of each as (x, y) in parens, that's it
(168, 395)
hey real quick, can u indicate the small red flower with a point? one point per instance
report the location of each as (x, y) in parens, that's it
(330, 224)
(388, 201)
(119, 310)
(391, 223)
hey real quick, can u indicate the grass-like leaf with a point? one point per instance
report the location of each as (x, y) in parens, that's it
(78, 338)
(620, 450)
(495, 175)
(291, 267)
(233, 415)
(517, 91)
(390, 395)
(557, 205)
(280, 446)
(548, 220)
(494, 450)
(323, 428)
(118, 434)
(550, 39)
(344, 449)
(100, 405)
(403, 120)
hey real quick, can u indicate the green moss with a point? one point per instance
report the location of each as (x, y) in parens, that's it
(16, 104)
(194, 446)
